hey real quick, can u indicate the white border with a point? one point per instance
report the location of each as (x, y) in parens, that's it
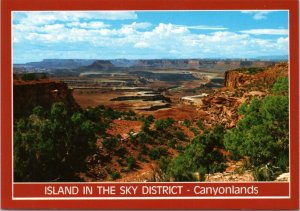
(147, 198)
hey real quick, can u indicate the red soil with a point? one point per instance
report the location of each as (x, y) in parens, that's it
(123, 127)
(180, 112)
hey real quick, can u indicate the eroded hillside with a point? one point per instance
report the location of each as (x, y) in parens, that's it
(155, 145)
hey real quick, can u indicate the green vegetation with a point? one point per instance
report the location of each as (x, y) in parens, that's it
(130, 163)
(52, 145)
(163, 124)
(172, 143)
(32, 76)
(115, 175)
(180, 135)
(281, 86)
(187, 123)
(110, 142)
(157, 152)
(57, 144)
(146, 126)
(263, 133)
(111, 114)
(200, 125)
(202, 155)
(250, 70)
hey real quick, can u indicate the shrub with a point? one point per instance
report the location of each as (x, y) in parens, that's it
(144, 137)
(121, 151)
(200, 125)
(187, 123)
(110, 143)
(150, 118)
(163, 124)
(130, 163)
(157, 152)
(195, 131)
(52, 145)
(180, 135)
(115, 175)
(146, 126)
(172, 143)
(201, 155)
(144, 149)
(263, 132)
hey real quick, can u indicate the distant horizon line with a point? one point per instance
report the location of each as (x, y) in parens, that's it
(208, 58)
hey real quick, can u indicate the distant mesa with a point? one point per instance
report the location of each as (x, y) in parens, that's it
(57, 63)
(78, 65)
(99, 65)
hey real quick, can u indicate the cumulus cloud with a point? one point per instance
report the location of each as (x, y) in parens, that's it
(138, 25)
(167, 29)
(87, 35)
(282, 43)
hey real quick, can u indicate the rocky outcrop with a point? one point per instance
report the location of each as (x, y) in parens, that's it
(230, 177)
(222, 105)
(221, 108)
(242, 77)
(235, 79)
(27, 95)
(285, 177)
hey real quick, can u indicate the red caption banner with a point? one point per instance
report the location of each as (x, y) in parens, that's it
(67, 190)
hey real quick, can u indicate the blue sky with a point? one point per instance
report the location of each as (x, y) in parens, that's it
(148, 34)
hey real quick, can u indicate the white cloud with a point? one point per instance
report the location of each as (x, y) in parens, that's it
(94, 24)
(91, 36)
(165, 30)
(130, 29)
(266, 31)
(258, 15)
(135, 25)
(174, 52)
(51, 28)
(282, 43)
(141, 45)
(226, 36)
(45, 37)
(283, 40)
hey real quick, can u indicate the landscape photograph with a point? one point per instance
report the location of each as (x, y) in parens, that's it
(150, 96)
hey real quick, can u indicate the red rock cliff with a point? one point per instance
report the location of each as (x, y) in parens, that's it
(238, 78)
(235, 79)
(27, 95)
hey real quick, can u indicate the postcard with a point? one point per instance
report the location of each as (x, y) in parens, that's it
(150, 105)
